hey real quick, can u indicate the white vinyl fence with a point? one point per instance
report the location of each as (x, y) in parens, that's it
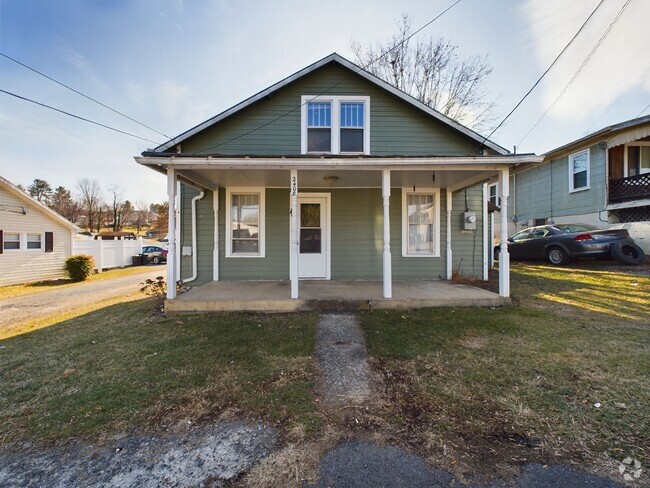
(109, 253)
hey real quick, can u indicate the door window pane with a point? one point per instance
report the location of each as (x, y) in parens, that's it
(309, 215)
(310, 241)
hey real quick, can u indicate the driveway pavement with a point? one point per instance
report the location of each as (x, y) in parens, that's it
(46, 303)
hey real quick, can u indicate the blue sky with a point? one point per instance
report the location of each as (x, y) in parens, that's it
(174, 63)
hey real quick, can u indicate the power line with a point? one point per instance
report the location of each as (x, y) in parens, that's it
(77, 116)
(575, 75)
(281, 116)
(543, 74)
(82, 94)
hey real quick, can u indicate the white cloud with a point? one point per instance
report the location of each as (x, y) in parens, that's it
(617, 67)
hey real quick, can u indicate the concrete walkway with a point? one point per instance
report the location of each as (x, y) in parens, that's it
(342, 360)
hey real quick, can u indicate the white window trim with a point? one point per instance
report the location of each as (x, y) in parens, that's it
(21, 242)
(496, 192)
(336, 123)
(262, 239)
(39, 249)
(436, 223)
(571, 173)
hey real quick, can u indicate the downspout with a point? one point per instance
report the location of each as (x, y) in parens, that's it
(195, 270)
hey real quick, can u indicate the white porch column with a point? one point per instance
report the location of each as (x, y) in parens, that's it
(450, 261)
(215, 250)
(388, 270)
(504, 256)
(293, 231)
(171, 248)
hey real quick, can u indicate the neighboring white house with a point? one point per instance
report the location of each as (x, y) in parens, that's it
(34, 240)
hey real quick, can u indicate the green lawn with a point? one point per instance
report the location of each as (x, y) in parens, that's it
(120, 367)
(522, 381)
(476, 388)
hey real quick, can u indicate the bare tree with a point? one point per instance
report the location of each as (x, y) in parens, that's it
(432, 71)
(142, 215)
(41, 190)
(116, 196)
(63, 204)
(91, 201)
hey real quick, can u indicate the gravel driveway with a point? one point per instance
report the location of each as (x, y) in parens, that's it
(45, 303)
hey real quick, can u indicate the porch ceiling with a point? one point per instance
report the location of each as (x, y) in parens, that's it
(336, 178)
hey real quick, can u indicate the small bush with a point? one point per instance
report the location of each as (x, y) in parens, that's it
(79, 266)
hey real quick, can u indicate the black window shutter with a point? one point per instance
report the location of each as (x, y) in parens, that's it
(49, 241)
(2, 242)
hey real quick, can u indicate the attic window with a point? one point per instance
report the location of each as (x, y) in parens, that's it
(335, 125)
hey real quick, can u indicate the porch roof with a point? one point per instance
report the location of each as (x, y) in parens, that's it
(213, 171)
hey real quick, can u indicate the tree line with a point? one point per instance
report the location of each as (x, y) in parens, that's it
(93, 208)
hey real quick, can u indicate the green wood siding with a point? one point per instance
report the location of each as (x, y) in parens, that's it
(275, 264)
(205, 234)
(467, 246)
(357, 238)
(543, 191)
(396, 128)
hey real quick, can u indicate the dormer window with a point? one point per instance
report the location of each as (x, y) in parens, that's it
(335, 125)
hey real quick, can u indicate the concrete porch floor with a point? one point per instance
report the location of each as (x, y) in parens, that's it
(274, 296)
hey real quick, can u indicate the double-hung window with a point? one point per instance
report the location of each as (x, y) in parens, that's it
(579, 171)
(420, 223)
(11, 241)
(245, 222)
(335, 125)
(34, 242)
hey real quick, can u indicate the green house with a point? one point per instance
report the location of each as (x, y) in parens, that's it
(333, 175)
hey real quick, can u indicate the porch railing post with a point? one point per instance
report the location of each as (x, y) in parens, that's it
(171, 248)
(293, 226)
(388, 272)
(504, 256)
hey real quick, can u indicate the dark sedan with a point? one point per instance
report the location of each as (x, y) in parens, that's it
(155, 254)
(561, 243)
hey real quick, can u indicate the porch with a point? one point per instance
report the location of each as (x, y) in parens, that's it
(275, 296)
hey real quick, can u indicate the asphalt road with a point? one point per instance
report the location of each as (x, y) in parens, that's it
(45, 303)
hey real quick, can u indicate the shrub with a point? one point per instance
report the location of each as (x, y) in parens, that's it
(79, 266)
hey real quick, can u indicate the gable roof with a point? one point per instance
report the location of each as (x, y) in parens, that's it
(14, 190)
(334, 58)
(608, 134)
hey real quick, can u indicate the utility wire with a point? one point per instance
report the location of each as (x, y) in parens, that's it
(82, 94)
(281, 116)
(76, 116)
(575, 75)
(613, 104)
(543, 74)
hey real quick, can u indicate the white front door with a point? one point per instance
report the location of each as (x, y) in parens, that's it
(313, 222)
